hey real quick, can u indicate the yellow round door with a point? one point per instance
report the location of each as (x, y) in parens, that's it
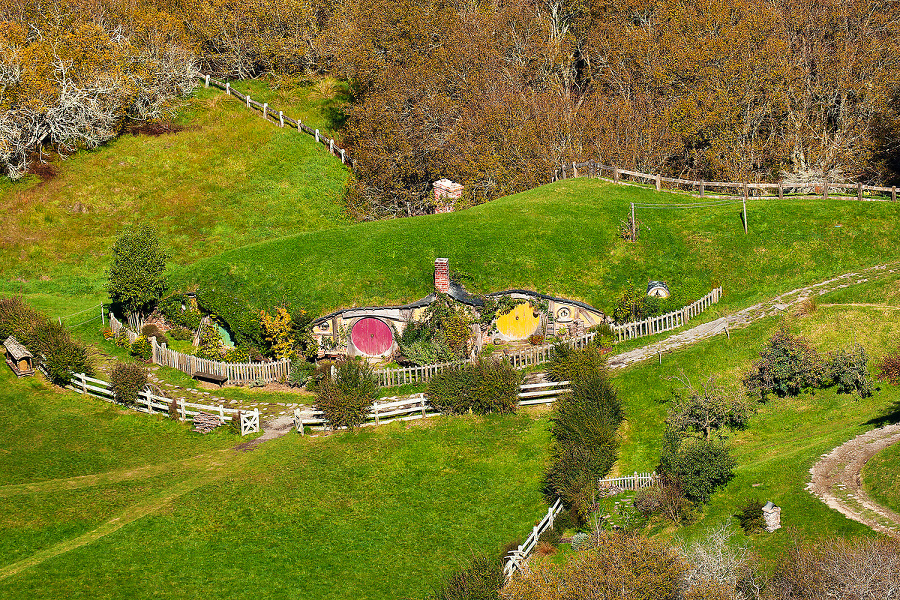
(519, 323)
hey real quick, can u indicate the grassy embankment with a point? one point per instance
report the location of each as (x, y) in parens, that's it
(786, 436)
(167, 513)
(562, 239)
(881, 477)
(228, 179)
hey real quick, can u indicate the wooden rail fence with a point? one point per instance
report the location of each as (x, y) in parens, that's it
(728, 188)
(151, 403)
(515, 560)
(281, 119)
(237, 373)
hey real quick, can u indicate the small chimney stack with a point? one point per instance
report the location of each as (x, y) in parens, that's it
(442, 275)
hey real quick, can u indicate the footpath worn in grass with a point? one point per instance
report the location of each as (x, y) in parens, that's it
(228, 179)
(787, 435)
(562, 239)
(49, 434)
(881, 477)
(380, 513)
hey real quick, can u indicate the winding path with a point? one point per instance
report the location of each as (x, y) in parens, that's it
(836, 480)
(744, 317)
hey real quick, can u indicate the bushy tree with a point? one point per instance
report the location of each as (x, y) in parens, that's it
(127, 381)
(786, 365)
(137, 275)
(346, 398)
(707, 409)
(699, 466)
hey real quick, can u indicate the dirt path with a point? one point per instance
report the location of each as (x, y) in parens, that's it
(742, 318)
(836, 480)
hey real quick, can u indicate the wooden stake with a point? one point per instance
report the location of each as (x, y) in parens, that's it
(780, 191)
(859, 191)
(825, 190)
(702, 188)
(894, 194)
(658, 183)
(632, 222)
(745, 215)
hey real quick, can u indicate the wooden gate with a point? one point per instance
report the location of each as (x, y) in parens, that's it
(371, 336)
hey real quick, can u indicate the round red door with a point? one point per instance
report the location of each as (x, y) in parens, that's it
(372, 336)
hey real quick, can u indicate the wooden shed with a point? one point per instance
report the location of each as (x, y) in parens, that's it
(18, 357)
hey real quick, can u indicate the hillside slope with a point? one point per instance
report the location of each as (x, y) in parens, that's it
(562, 239)
(228, 179)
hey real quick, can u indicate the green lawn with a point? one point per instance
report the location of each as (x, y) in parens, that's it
(227, 180)
(881, 477)
(380, 513)
(787, 435)
(561, 239)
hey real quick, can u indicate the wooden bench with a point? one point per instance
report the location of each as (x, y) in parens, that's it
(211, 377)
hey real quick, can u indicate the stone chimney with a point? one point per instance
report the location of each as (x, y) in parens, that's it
(442, 275)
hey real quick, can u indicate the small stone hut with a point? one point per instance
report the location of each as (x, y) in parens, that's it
(19, 359)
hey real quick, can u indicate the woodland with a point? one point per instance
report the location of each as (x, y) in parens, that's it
(492, 94)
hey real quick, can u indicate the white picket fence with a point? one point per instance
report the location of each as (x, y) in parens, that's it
(630, 482)
(237, 373)
(516, 558)
(151, 403)
(668, 321)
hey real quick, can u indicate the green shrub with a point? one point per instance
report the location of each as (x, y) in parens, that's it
(141, 348)
(174, 411)
(152, 330)
(699, 466)
(750, 516)
(347, 398)
(486, 386)
(127, 380)
(210, 346)
(583, 424)
(61, 355)
(787, 365)
(849, 371)
(181, 334)
(301, 371)
(19, 320)
(171, 309)
(237, 316)
(237, 354)
(121, 341)
(664, 499)
(606, 335)
(889, 368)
(480, 580)
(568, 364)
(137, 275)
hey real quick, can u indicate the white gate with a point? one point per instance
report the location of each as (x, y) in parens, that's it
(250, 422)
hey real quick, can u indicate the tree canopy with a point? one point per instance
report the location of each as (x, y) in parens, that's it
(137, 275)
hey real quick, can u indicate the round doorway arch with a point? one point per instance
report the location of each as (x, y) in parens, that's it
(371, 336)
(519, 323)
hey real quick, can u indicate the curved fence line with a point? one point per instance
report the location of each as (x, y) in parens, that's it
(745, 189)
(281, 119)
(238, 373)
(538, 355)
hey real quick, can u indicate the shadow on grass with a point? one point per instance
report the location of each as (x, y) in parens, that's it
(889, 416)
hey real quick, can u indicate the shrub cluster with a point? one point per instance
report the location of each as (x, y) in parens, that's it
(485, 386)
(127, 380)
(889, 368)
(788, 364)
(346, 398)
(441, 336)
(237, 316)
(665, 499)
(50, 342)
(141, 348)
(181, 333)
(698, 465)
(171, 309)
(481, 579)
(583, 426)
(750, 516)
(301, 371)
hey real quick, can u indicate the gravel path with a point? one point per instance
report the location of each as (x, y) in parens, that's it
(836, 480)
(744, 317)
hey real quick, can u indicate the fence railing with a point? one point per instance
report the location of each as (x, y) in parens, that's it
(668, 321)
(151, 403)
(515, 560)
(630, 482)
(778, 190)
(237, 373)
(281, 119)
(542, 393)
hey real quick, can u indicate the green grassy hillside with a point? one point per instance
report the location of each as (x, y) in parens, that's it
(562, 239)
(227, 180)
(881, 476)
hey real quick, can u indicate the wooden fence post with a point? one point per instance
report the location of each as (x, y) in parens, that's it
(859, 191)
(102, 315)
(266, 111)
(658, 183)
(616, 174)
(228, 88)
(281, 117)
(702, 188)
(317, 136)
(632, 223)
(894, 194)
(183, 413)
(342, 156)
(825, 190)
(207, 81)
(780, 191)
(248, 100)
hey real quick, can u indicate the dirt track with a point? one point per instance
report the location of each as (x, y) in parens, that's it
(836, 480)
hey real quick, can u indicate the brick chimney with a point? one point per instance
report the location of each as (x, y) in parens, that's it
(442, 275)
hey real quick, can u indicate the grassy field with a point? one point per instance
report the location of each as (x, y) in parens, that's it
(786, 435)
(562, 239)
(881, 477)
(101, 503)
(228, 179)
